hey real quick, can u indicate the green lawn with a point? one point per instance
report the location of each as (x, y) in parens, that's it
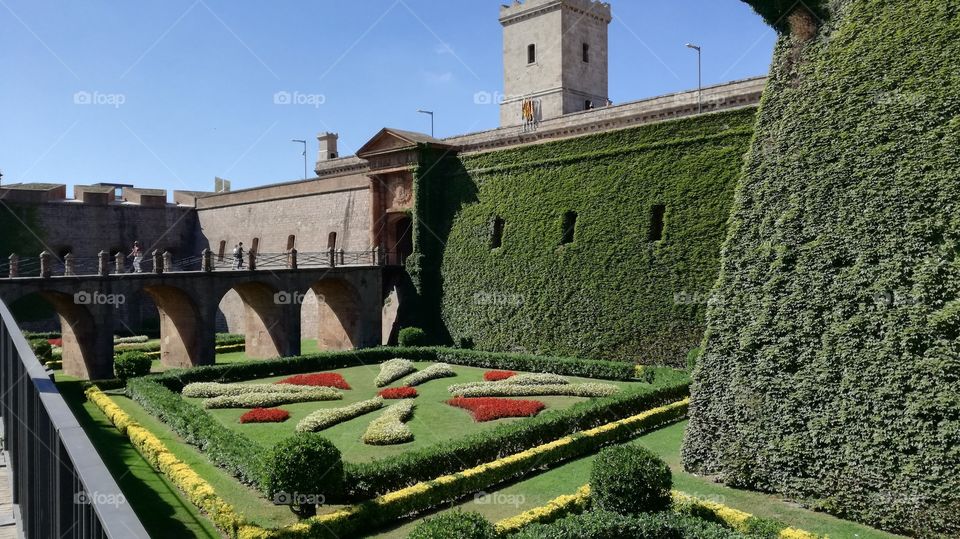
(433, 421)
(537, 490)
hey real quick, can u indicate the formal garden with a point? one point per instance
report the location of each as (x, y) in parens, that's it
(418, 442)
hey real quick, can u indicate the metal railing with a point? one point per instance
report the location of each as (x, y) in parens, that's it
(46, 265)
(59, 482)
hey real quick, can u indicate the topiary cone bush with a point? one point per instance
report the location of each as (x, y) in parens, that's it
(630, 479)
(412, 337)
(456, 524)
(305, 470)
(131, 364)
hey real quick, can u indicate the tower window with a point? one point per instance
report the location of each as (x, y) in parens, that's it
(291, 242)
(569, 227)
(586, 52)
(588, 105)
(656, 222)
(532, 53)
(332, 240)
(496, 232)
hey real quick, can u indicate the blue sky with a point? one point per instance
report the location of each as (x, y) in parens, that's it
(170, 94)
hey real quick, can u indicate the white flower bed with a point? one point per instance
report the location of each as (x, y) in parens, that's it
(266, 400)
(437, 370)
(536, 378)
(391, 427)
(130, 340)
(326, 418)
(502, 389)
(216, 389)
(394, 369)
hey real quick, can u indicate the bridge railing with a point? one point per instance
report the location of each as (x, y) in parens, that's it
(46, 265)
(59, 482)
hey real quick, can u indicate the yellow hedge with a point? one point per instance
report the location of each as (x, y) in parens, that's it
(555, 508)
(734, 518)
(580, 501)
(198, 491)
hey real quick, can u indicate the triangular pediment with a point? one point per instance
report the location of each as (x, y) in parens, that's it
(389, 140)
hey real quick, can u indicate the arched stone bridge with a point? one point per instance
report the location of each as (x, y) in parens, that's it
(187, 302)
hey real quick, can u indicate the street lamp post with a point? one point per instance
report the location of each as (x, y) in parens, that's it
(430, 112)
(699, 76)
(304, 155)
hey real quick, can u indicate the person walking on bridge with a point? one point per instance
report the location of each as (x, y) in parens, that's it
(238, 256)
(137, 255)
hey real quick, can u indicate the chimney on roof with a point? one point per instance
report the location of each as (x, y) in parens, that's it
(328, 146)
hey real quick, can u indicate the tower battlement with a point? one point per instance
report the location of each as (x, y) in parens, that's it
(519, 10)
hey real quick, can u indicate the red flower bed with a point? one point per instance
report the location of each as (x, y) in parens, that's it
(55, 342)
(328, 379)
(493, 376)
(265, 415)
(405, 392)
(490, 408)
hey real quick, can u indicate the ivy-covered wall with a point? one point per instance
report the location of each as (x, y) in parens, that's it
(831, 369)
(612, 293)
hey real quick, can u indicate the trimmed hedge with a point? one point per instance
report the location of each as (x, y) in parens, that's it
(238, 454)
(630, 479)
(305, 466)
(830, 369)
(412, 337)
(585, 368)
(131, 364)
(605, 525)
(455, 524)
(613, 370)
(616, 292)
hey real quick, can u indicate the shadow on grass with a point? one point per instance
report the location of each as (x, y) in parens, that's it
(156, 502)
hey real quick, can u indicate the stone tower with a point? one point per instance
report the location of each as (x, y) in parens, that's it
(555, 56)
(327, 148)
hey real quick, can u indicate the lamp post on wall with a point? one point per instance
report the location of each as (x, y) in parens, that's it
(699, 76)
(430, 112)
(304, 155)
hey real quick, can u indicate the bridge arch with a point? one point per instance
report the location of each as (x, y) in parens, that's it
(183, 335)
(270, 319)
(79, 333)
(339, 314)
(87, 347)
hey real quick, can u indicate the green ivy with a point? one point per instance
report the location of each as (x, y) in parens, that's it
(611, 293)
(775, 12)
(831, 368)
